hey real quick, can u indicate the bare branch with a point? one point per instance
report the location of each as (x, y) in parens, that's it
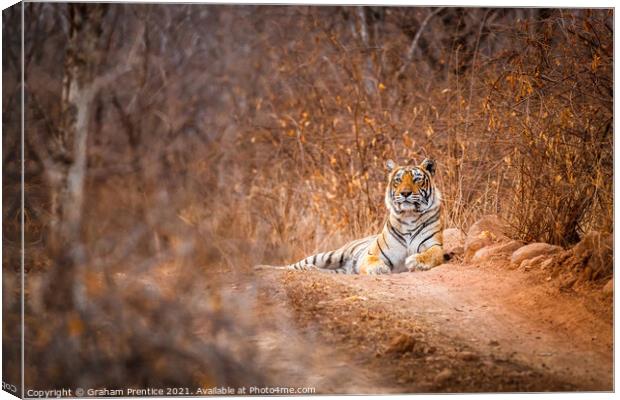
(416, 38)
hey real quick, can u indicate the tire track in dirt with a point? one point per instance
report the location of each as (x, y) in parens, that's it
(457, 328)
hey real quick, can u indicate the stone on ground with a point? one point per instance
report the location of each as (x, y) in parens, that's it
(499, 250)
(443, 376)
(484, 232)
(597, 249)
(533, 250)
(401, 344)
(535, 262)
(453, 241)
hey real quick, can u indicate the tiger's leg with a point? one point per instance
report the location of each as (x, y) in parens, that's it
(373, 265)
(425, 260)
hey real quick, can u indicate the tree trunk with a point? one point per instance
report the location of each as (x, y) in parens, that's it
(67, 177)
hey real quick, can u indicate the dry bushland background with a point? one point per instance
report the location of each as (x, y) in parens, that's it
(170, 146)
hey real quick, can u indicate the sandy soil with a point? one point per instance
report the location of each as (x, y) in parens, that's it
(456, 328)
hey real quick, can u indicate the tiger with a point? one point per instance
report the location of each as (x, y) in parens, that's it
(411, 239)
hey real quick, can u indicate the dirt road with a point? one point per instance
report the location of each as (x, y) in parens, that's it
(456, 328)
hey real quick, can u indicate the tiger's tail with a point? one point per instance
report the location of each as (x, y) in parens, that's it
(331, 262)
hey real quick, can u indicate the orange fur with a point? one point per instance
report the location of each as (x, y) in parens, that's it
(370, 264)
(432, 257)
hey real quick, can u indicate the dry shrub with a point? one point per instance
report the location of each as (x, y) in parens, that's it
(516, 105)
(553, 100)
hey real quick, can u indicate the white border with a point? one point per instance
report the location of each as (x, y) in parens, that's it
(480, 3)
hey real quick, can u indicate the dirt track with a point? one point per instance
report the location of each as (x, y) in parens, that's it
(456, 328)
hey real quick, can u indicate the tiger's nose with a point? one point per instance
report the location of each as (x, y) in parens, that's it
(405, 194)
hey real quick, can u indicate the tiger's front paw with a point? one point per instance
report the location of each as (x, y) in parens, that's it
(413, 263)
(376, 269)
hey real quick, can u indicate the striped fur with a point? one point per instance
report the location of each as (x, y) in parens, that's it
(411, 236)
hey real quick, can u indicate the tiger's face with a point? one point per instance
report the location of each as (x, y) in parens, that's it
(410, 188)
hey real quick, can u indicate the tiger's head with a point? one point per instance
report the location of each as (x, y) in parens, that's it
(410, 188)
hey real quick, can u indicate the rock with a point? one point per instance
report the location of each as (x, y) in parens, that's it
(473, 245)
(453, 240)
(496, 250)
(443, 376)
(597, 248)
(546, 264)
(401, 344)
(568, 282)
(608, 289)
(493, 343)
(492, 224)
(533, 262)
(533, 250)
(592, 241)
(469, 356)
(484, 232)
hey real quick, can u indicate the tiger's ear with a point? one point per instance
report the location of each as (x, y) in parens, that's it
(390, 165)
(428, 165)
